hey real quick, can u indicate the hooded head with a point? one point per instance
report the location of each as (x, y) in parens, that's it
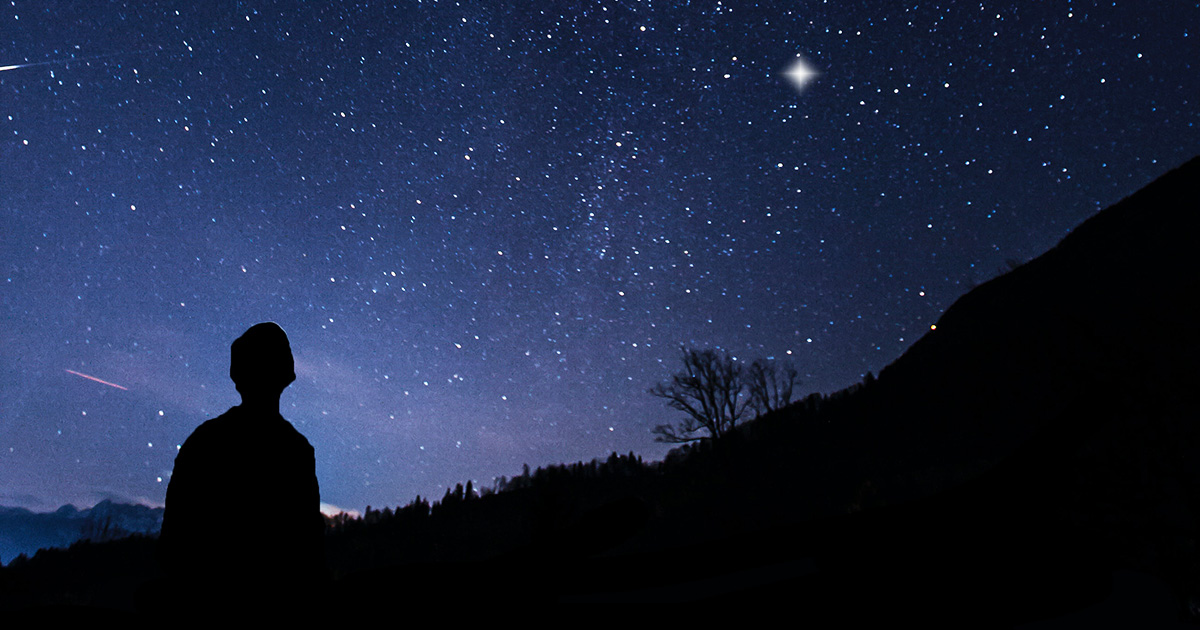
(261, 361)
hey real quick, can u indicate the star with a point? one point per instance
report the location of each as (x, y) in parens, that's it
(800, 73)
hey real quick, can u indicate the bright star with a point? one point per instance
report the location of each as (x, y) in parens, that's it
(800, 73)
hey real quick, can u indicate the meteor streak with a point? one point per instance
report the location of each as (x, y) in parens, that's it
(93, 378)
(65, 60)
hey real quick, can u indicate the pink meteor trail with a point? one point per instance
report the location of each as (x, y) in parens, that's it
(93, 378)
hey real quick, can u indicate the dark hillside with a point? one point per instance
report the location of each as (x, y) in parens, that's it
(1044, 435)
(1110, 312)
(1106, 319)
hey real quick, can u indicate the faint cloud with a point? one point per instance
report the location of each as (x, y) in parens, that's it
(118, 497)
(24, 500)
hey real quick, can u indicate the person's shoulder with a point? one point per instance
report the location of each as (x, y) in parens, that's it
(214, 426)
(217, 434)
(294, 435)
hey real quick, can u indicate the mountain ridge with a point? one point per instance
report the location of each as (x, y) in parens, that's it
(24, 532)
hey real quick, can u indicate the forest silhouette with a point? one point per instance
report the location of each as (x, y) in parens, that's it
(1040, 441)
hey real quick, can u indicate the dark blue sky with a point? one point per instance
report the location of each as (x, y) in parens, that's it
(487, 232)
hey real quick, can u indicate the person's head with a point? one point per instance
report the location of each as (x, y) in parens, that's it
(261, 361)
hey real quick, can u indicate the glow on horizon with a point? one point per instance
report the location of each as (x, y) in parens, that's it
(328, 509)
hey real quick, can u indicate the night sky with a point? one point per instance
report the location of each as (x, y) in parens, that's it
(488, 231)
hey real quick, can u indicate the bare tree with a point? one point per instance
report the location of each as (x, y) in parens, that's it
(771, 384)
(710, 390)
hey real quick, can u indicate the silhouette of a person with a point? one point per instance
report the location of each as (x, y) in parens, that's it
(242, 525)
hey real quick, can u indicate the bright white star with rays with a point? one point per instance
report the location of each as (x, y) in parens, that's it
(800, 73)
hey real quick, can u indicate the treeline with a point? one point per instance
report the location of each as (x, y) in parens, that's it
(758, 474)
(812, 410)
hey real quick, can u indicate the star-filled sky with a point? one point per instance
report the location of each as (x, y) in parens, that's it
(488, 229)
